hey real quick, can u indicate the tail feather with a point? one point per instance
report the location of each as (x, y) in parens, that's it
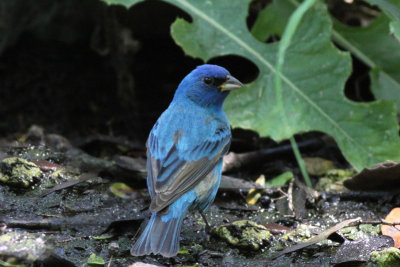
(159, 237)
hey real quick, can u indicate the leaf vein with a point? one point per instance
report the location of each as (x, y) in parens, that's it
(257, 55)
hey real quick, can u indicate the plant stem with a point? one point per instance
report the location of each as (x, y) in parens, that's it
(287, 35)
(300, 161)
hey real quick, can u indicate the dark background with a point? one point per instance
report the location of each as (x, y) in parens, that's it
(79, 68)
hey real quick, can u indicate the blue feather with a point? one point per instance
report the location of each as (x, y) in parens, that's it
(185, 150)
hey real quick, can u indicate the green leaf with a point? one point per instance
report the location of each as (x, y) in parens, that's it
(95, 260)
(126, 3)
(6, 264)
(103, 237)
(313, 80)
(184, 252)
(369, 44)
(281, 179)
(272, 20)
(122, 190)
(372, 44)
(390, 7)
(395, 29)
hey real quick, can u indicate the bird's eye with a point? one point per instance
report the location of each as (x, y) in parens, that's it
(208, 80)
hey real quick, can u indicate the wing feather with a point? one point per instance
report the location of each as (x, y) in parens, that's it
(173, 176)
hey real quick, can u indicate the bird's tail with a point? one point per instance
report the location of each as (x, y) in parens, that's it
(159, 237)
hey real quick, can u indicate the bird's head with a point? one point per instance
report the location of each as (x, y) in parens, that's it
(207, 85)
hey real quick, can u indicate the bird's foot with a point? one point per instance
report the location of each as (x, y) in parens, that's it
(208, 228)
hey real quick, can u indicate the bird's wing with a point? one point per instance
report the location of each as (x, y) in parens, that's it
(171, 177)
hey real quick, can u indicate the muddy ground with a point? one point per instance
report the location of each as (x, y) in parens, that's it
(78, 103)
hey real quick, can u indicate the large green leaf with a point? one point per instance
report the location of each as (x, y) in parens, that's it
(272, 20)
(380, 51)
(395, 29)
(369, 44)
(313, 79)
(390, 7)
(385, 76)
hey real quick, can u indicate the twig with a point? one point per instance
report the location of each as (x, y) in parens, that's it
(309, 191)
(320, 237)
(233, 183)
(235, 161)
(362, 196)
(290, 198)
(84, 177)
(111, 258)
(376, 222)
(35, 224)
(325, 234)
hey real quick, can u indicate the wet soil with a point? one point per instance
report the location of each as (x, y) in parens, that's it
(95, 100)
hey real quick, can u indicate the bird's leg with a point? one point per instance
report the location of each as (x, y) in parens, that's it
(208, 227)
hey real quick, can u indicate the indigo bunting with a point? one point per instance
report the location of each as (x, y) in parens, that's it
(184, 156)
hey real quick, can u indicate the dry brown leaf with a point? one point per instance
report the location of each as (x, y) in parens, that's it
(318, 166)
(393, 231)
(384, 176)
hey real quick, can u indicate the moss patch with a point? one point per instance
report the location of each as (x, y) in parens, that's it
(243, 234)
(18, 172)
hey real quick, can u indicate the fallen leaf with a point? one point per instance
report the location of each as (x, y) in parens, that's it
(390, 230)
(384, 176)
(46, 166)
(254, 194)
(281, 179)
(95, 260)
(318, 166)
(124, 191)
(277, 228)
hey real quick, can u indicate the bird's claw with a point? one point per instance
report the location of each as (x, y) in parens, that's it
(208, 229)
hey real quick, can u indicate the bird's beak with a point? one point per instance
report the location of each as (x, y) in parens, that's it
(230, 84)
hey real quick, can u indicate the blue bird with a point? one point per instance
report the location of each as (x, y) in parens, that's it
(184, 157)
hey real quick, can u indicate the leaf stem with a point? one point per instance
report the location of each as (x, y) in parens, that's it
(300, 161)
(287, 35)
